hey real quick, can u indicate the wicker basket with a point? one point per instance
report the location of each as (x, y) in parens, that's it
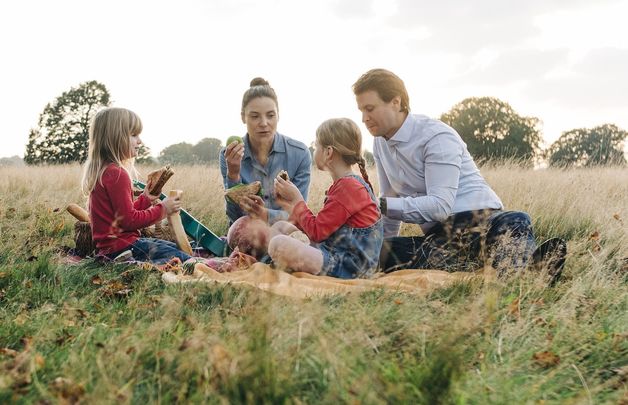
(85, 246)
(164, 231)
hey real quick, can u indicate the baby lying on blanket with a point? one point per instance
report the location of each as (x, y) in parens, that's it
(251, 235)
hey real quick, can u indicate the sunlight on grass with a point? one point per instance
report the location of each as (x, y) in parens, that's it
(65, 337)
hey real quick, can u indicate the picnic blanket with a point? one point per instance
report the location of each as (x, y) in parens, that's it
(303, 285)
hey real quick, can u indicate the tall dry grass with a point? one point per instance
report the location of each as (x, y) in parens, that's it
(63, 339)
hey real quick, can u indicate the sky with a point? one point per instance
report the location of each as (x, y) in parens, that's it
(183, 66)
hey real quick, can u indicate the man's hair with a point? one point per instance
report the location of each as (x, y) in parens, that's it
(386, 84)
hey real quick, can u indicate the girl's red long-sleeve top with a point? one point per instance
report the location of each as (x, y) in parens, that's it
(347, 202)
(116, 218)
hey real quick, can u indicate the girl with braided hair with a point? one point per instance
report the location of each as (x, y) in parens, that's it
(348, 231)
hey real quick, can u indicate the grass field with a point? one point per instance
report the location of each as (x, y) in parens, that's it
(64, 338)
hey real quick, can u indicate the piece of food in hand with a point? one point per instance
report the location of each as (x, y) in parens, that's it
(284, 175)
(234, 138)
(237, 192)
(158, 178)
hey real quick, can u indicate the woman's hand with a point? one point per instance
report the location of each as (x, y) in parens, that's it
(287, 194)
(254, 206)
(172, 205)
(233, 155)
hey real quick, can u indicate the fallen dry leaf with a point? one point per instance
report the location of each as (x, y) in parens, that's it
(540, 321)
(63, 338)
(514, 308)
(39, 361)
(96, 280)
(8, 352)
(115, 288)
(67, 390)
(546, 359)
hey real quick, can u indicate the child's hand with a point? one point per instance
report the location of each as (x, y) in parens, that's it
(172, 205)
(254, 206)
(151, 197)
(287, 194)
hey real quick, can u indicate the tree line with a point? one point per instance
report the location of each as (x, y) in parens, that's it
(490, 127)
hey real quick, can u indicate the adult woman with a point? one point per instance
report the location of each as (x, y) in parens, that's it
(262, 155)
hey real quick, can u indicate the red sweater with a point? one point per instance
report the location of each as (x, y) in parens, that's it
(348, 202)
(116, 218)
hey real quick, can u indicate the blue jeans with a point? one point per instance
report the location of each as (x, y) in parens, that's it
(156, 251)
(465, 241)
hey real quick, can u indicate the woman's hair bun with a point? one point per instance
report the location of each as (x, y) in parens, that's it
(258, 81)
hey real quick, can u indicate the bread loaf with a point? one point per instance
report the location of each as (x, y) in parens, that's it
(157, 179)
(235, 193)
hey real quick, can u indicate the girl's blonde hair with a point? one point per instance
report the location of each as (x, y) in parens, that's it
(109, 142)
(345, 137)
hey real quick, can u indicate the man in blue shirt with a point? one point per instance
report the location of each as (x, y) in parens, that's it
(427, 177)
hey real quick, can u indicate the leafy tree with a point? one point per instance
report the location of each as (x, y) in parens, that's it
(601, 145)
(61, 135)
(11, 161)
(178, 153)
(143, 155)
(493, 130)
(207, 150)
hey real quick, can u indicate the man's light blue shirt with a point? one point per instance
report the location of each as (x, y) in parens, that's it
(428, 174)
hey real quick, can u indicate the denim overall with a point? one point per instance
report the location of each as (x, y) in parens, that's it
(353, 252)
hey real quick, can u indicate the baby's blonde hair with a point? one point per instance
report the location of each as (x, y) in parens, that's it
(109, 142)
(345, 137)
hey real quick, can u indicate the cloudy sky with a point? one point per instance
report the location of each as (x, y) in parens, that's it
(183, 66)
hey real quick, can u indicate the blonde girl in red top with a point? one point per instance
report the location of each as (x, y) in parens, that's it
(114, 140)
(348, 231)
